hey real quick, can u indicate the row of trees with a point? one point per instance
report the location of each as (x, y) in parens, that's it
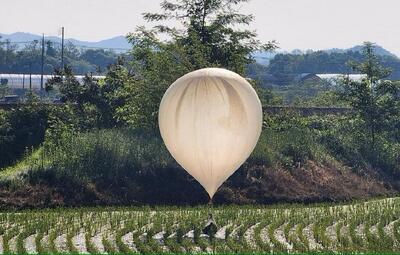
(14, 59)
(284, 68)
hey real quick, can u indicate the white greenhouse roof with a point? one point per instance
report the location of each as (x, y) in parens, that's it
(19, 81)
(333, 76)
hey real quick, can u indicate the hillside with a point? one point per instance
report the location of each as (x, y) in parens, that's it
(312, 183)
(379, 50)
(127, 167)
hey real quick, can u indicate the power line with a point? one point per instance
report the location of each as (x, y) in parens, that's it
(62, 49)
(12, 42)
(68, 41)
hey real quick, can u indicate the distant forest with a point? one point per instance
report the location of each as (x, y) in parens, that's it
(16, 59)
(284, 68)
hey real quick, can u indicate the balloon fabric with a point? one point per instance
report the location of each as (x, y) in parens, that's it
(210, 121)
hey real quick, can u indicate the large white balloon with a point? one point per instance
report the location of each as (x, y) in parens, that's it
(210, 121)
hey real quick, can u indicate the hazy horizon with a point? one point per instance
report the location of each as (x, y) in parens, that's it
(294, 24)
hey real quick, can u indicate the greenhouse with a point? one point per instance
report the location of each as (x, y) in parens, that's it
(34, 81)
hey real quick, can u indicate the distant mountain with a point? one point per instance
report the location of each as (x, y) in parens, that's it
(121, 43)
(379, 50)
(263, 57)
(117, 43)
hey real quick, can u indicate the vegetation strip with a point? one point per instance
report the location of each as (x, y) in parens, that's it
(244, 229)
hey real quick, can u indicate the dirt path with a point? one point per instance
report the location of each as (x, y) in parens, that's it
(309, 234)
(61, 243)
(264, 236)
(280, 236)
(79, 242)
(30, 245)
(12, 243)
(330, 233)
(128, 240)
(97, 242)
(249, 237)
(1, 245)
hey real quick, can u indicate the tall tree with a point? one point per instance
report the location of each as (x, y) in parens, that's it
(207, 36)
(208, 32)
(376, 101)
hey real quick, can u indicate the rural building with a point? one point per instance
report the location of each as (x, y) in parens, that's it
(331, 79)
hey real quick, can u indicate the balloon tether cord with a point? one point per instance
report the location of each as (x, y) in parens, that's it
(211, 210)
(211, 207)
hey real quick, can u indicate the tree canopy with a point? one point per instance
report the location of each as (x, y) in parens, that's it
(207, 37)
(376, 104)
(207, 32)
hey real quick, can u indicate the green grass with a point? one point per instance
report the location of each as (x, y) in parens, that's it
(30, 160)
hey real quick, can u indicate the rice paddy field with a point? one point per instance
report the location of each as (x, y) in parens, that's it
(372, 226)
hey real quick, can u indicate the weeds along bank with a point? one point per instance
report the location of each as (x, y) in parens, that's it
(359, 227)
(297, 159)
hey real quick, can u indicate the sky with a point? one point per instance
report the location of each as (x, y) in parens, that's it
(294, 24)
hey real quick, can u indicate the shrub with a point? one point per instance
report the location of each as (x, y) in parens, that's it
(21, 128)
(285, 140)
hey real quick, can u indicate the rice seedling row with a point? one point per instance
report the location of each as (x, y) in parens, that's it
(372, 226)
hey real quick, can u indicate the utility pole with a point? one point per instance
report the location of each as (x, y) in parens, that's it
(41, 75)
(30, 77)
(7, 52)
(62, 49)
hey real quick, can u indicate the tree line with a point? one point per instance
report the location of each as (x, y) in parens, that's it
(284, 68)
(27, 58)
